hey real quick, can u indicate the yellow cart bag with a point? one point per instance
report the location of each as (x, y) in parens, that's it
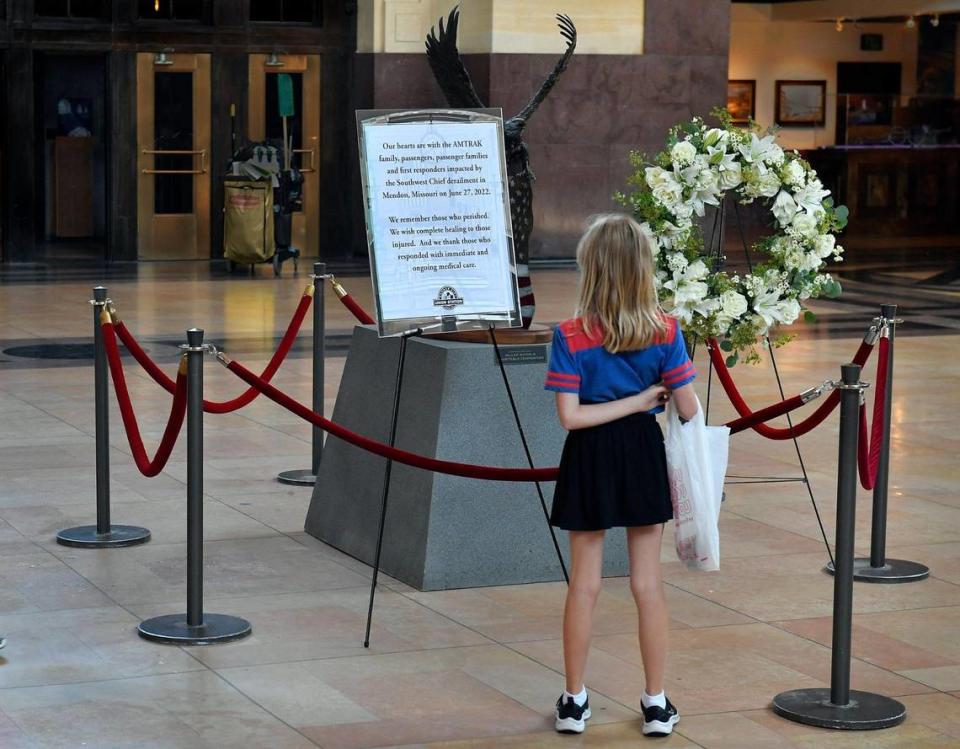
(248, 221)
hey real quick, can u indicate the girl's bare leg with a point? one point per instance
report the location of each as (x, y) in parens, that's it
(586, 551)
(646, 584)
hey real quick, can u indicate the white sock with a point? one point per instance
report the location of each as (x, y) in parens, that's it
(579, 699)
(649, 700)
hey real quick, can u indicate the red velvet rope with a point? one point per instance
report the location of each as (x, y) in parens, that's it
(765, 414)
(468, 470)
(358, 312)
(174, 423)
(245, 398)
(811, 422)
(868, 452)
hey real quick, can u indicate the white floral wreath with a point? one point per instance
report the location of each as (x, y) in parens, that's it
(699, 166)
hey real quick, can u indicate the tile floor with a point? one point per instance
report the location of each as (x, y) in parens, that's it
(463, 668)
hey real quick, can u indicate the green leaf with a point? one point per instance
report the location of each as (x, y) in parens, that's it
(725, 345)
(809, 316)
(828, 202)
(732, 360)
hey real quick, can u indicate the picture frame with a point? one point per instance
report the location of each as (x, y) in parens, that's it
(742, 100)
(871, 42)
(801, 103)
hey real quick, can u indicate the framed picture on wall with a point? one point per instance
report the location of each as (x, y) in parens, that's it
(801, 103)
(742, 101)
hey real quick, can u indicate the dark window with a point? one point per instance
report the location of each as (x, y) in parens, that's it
(285, 11)
(69, 8)
(173, 131)
(171, 10)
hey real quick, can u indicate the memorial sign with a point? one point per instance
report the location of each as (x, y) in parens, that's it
(438, 220)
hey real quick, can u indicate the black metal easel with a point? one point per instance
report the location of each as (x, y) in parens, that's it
(386, 476)
(716, 254)
(526, 449)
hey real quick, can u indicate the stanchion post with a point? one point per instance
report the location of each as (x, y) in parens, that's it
(877, 568)
(103, 534)
(839, 706)
(195, 627)
(304, 477)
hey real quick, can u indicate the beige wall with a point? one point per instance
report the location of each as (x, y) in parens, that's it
(766, 51)
(505, 26)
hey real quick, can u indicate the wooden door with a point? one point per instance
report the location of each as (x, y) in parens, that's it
(304, 128)
(173, 147)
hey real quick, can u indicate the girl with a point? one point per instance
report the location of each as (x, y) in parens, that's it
(613, 367)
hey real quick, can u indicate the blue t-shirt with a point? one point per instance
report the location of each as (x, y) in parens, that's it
(580, 364)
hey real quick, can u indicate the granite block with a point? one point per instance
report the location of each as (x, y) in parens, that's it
(444, 531)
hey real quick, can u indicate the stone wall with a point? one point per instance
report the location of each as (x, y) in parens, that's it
(604, 106)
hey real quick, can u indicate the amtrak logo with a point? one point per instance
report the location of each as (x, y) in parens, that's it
(448, 298)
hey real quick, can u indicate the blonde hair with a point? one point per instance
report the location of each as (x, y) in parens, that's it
(617, 290)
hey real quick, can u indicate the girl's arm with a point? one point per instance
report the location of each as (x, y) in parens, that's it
(574, 415)
(685, 399)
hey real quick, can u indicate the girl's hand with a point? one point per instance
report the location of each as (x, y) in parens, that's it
(652, 397)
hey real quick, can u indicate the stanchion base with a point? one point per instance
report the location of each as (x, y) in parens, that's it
(865, 712)
(894, 571)
(173, 629)
(303, 477)
(86, 536)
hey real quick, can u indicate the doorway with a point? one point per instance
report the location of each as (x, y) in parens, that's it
(173, 147)
(303, 128)
(70, 106)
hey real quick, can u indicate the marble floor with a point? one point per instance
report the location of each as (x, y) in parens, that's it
(462, 668)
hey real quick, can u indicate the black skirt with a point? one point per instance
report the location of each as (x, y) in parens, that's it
(612, 476)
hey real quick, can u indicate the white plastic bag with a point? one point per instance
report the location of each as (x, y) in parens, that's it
(696, 466)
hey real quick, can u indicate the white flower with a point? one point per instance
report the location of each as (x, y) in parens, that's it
(824, 245)
(789, 311)
(715, 136)
(793, 173)
(664, 185)
(810, 197)
(774, 155)
(769, 184)
(733, 303)
(704, 187)
(756, 148)
(730, 176)
(696, 270)
(676, 262)
(687, 289)
(804, 225)
(784, 208)
(683, 152)
(773, 309)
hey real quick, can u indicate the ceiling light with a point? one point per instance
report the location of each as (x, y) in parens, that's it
(935, 21)
(911, 23)
(274, 61)
(839, 26)
(160, 58)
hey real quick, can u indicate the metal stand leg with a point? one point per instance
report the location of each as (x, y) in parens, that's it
(194, 627)
(526, 449)
(103, 535)
(386, 480)
(878, 568)
(303, 476)
(839, 706)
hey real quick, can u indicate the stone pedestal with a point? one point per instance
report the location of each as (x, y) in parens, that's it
(444, 531)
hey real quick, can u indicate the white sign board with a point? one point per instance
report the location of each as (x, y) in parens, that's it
(438, 220)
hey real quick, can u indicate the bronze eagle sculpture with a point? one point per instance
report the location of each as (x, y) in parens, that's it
(454, 80)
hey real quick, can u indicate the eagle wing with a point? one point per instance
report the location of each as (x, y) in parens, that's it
(569, 32)
(447, 66)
